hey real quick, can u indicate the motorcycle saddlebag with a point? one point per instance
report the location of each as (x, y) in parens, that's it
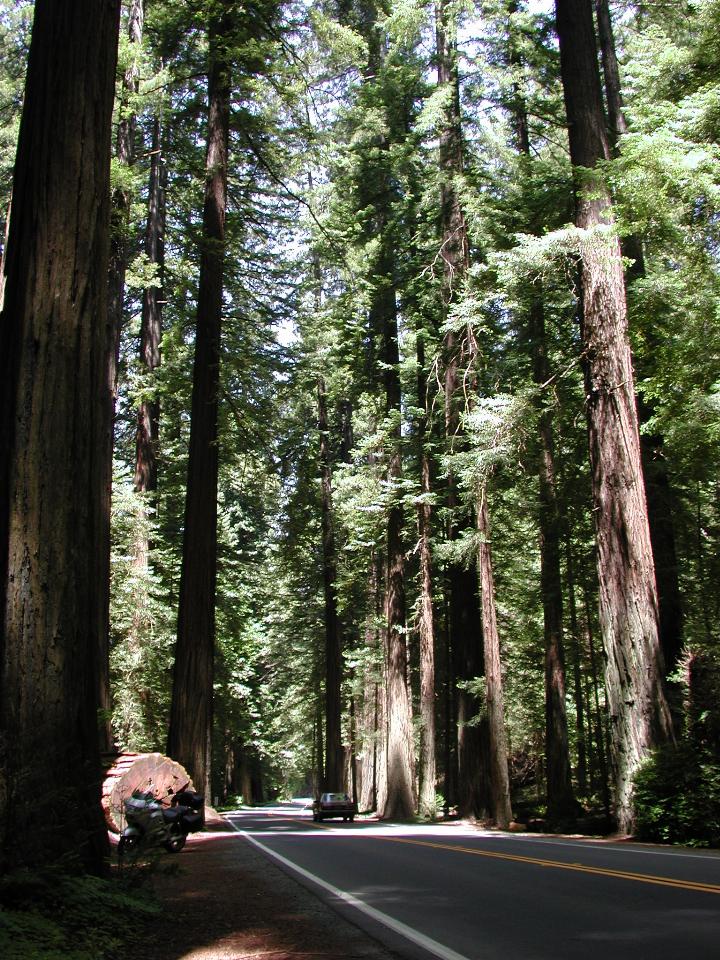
(192, 822)
(186, 798)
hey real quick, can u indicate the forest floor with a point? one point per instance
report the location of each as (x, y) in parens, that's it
(222, 899)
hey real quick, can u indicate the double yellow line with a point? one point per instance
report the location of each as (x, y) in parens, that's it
(559, 865)
(578, 867)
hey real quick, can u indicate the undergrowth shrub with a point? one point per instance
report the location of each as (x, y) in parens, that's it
(677, 796)
(51, 915)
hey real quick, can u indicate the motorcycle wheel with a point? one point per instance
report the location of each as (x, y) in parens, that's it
(127, 845)
(176, 839)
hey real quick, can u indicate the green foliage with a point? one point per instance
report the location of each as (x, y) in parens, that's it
(677, 796)
(15, 25)
(54, 915)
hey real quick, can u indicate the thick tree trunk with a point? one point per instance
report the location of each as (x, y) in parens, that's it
(192, 707)
(334, 757)
(400, 799)
(395, 788)
(472, 794)
(55, 416)
(501, 810)
(464, 613)
(373, 713)
(655, 472)
(628, 597)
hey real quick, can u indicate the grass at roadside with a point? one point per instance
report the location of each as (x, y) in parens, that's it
(56, 915)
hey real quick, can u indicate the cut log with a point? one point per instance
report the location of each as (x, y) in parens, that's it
(126, 772)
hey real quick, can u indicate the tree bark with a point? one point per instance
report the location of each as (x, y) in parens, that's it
(148, 417)
(464, 612)
(192, 700)
(54, 419)
(334, 758)
(375, 194)
(426, 620)
(611, 73)
(577, 674)
(400, 801)
(654, 465)
(561, 802)
(600, 737)
(628, 597)
(498, 765)
(121, 197)
(560, 798)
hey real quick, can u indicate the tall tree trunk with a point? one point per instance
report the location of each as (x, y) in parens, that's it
(400, 800)
(426, 622)
(319, 765)
(373, 724)
(498, 766)
(189, 737)
(561, 802)
(148, 416)
(600, 736)
(464, 613)
(611, 73)
(654, 465)
(334, 760)
(375, 195)
(117, 267)
(560, 798)
(628, 597)
(55, 416)
(449, 716)
(121, 197)
(577, 673)
(148, 412)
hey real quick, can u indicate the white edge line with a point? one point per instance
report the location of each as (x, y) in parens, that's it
(427, 943)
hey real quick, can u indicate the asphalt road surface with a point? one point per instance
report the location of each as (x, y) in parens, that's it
(459, 893)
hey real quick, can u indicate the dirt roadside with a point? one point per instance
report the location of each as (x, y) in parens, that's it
(224, 900)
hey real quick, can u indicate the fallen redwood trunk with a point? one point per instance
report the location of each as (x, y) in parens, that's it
(139, 771)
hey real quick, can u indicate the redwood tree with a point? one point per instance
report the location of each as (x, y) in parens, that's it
(191, 713)
(55, 416)
(628, 599)
(465, 633)
(148, 416)
(333, 773)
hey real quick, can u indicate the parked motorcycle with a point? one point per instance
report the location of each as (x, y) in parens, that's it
(153, 822)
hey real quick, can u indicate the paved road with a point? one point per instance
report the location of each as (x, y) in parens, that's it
(455, 892)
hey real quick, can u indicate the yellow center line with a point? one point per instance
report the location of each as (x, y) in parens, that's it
(558, 864)
(578, 867)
